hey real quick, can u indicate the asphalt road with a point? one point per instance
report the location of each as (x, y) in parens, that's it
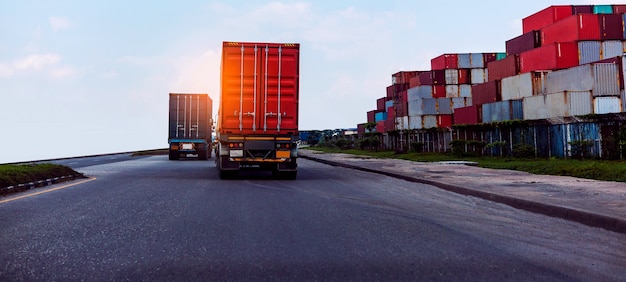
(148, 218)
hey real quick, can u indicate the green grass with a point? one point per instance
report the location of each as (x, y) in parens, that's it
(11, 175)
(590, 169)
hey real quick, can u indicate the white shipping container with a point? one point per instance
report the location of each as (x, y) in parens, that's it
(460, 102)
(444, 106)
(535, 107)
(600, 78)
(418, 92)
(429, 121)
(579, 103)
(478, 76)
(452, 76)
(517, 87)
(415, 107)
(452, 91)
(612, 48)
(415, 122)
(605, 105)
(477, 60)
(402, 123)
(465, 90)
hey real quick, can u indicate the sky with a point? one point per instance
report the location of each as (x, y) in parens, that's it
(82, 78)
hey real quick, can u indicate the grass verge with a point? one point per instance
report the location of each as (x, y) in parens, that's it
(12, 175)
(589, 169)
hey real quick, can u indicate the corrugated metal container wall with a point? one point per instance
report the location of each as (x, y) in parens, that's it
(517, 87)
(601, 78)
(524, 42)
(402, 108)
(452, 76)
(360, 129)
(464, 61)
(394, 89)
(589, 51)
(502, 111)
(388, 104)
(445, 61)
(611, 27)
(602, 9)
(582, 9)
(403, 77)
(380, 103)
(429, 106)
(467, 115)
(444, 121)
(402, 123)
(612, 48)
(535, 108)
(439, 91)
(619, 9)
(452, 91)
(550, 57)
(380, 126)
(477, 60)
(415, 122)
(422, 91)
(429, 121)
(465, 90)
(426, 78)
(545, 17)
(487, 92)
(402, 97)
(564, 104)
(464, 76)
(579, 103)
(506, 67)
(380, 116)
(414, 81)
(444, 106)
(479, 76)
(371, 116)
(605, 105)
(416, 107)
(439, 77)
(574, 28)
(390, 125)
(624, 21)
(461, 102)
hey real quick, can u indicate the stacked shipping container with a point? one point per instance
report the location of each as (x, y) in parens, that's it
(554, 68)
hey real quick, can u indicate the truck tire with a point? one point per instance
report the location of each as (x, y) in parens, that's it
(174, 155)
(227, 174)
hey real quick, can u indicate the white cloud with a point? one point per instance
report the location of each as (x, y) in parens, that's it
(6, 70)
(109, 75)
(62, 72)
(36, 61)
(58, 23)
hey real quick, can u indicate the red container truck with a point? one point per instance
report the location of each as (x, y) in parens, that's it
(258, 113)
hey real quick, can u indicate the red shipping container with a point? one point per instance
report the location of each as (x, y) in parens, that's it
(550, 57)
(487, 92)
(371, 116)
(611, 27)
(380, 103)
(401, 109)
(439, 91)
(426, 78)
(574, 28)
(414, 81)
(439, 77)
(445, 61)
(506, 67)
(464, 76)
(545, 17)
(467, 115)
(619, 9)
(360, 128)
(391, 113)
(524, 42)
(394, 89)
(380, 126)
(444, 121)
(402, 97)
(582, 9)
(489, 57)
(402, 77)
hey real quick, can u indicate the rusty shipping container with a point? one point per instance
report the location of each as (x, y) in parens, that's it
(545, 17)
(506, 67)
(487, 92)
(524, 42)
(550, 57)
(600, 78)
(523, 85)
(394, 89)
(452, 91)
(445, 61)
(403, 77)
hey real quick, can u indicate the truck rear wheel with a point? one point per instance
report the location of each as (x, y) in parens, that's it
(227, 174)
(203, 155)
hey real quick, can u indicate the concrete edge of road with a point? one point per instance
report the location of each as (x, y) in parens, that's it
(571, 214)
(36, 184)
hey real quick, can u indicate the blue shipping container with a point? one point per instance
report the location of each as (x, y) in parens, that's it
(602, 9)
(380, 116)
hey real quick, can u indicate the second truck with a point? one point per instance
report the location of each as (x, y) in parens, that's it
(258, 113)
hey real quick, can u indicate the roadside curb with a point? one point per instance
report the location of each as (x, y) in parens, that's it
(583, 217)
(27, 186)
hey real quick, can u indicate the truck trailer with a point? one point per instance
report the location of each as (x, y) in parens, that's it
(258, 113)
(190, 125)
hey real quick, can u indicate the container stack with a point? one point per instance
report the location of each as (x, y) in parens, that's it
(569, 60)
